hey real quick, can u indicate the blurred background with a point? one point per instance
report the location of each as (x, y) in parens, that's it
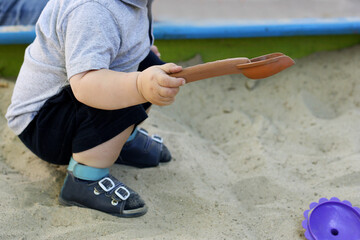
(233, 10)
(213, 29)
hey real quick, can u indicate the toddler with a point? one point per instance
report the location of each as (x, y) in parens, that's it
(87, 81)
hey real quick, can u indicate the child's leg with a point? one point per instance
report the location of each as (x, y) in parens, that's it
(105, 154)
(89, 184)
(89, 140)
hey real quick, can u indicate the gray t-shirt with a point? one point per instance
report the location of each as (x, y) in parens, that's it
(73, 37)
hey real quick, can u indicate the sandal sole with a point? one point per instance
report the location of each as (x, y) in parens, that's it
(126, 213)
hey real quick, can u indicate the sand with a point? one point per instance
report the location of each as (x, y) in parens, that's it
(247, 162)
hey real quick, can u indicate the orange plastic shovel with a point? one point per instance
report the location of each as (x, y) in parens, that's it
(255, 68)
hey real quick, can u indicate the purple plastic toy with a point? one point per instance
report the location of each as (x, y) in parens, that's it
(332, 220)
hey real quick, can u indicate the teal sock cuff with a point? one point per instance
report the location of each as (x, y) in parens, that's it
(86, 172)
(132, 136)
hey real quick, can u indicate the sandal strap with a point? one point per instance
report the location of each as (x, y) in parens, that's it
(121, 194)
(115, 189)
(85, 172)
(144, 150)
(154, 137)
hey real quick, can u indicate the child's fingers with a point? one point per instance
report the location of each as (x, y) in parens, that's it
(162, 100)
(171, 82)
(155, 50)
(166, 101)
(170, 68)
(165, 92)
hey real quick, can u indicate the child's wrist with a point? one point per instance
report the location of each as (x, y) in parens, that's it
(139, 87)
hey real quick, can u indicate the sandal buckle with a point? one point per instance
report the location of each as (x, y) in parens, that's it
(143, 131)
(157, 138)
(122, 196)
(105, 188)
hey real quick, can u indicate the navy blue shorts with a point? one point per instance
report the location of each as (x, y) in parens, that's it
(64, 125)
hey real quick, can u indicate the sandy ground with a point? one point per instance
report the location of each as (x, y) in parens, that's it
(247, 163)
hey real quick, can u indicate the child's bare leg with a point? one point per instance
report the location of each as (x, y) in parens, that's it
(89, 184)
(105, 154)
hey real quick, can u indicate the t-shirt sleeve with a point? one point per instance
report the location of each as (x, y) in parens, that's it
(91, 38)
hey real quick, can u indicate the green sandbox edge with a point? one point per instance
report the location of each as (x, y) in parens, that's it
(11, 56)
(215, 49)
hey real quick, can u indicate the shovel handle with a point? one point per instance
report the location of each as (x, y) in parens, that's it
(211, 69)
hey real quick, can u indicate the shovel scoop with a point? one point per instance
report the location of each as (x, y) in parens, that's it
(255, 68)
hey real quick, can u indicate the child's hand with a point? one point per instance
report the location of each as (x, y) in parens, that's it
(155, 50)
(157, 87)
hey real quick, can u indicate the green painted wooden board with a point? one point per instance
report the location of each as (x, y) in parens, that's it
(215, 49)
(11, 56)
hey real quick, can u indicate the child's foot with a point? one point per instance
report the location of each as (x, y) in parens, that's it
(144, 150)
(107, 195)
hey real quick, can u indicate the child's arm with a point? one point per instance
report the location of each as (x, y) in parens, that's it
(109, 90)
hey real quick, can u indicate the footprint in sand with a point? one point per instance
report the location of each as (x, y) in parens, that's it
(259, 191)
(316, 107)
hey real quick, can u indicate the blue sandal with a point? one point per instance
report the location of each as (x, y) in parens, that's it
(143, 150)
(107, 195)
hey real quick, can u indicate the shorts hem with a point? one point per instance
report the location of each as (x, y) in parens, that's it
(100, 136)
